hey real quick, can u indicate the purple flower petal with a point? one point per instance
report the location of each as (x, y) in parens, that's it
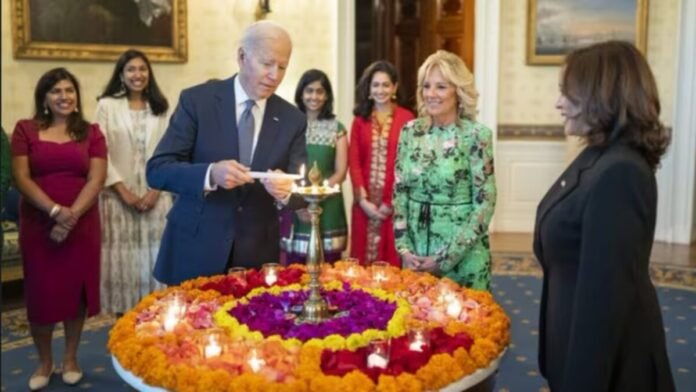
(267, 314)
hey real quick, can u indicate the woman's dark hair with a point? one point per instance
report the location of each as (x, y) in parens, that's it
(616, 91)
(309, 77)
(77, 126)
(152, 93)
(363, 103)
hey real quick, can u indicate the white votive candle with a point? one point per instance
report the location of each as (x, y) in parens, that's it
(271, 277)
(380, 276)
(454, 308)
(255, 362)
(170, 320)
(350, 272)
(212, 349)
(416, 346)
(376, 360)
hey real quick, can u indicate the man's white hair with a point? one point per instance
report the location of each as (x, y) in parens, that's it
(261, 31)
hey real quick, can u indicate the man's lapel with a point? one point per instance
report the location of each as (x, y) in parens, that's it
(270, 131)
(225, 109)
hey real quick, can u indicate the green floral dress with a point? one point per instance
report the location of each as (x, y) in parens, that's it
(444, 197)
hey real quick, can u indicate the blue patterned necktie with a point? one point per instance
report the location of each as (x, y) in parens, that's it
(245, 129)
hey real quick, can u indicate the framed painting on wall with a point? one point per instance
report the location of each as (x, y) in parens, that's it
(99, 30)
(557, 27)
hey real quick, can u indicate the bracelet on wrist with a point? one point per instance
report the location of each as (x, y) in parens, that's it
(55, 210)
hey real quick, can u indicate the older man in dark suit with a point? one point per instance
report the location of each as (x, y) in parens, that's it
(220, 132)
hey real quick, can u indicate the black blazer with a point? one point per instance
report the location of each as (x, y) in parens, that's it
(600, 326)
(204, 228)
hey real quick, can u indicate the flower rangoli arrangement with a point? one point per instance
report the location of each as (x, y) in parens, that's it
(390, 330)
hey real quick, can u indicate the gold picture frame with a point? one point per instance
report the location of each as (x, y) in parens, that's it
(99, 30)
(557, 27)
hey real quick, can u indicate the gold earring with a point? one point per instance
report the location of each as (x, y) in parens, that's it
(393, 97)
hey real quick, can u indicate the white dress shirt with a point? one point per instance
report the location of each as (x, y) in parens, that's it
(240, 97)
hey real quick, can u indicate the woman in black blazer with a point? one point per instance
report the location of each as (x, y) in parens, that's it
(600, 322)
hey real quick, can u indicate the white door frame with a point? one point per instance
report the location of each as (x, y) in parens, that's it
(677, 175)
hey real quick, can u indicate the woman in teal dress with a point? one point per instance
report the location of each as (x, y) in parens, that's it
(445, 187)
(327, 145)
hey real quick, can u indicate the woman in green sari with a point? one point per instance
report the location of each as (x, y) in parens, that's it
(327, 145)
(445, 190)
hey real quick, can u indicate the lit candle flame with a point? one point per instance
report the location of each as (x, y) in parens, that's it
(212, 349)
(417, 343)
(175, 311)
(377, 360)
(351, 272)
(446, 296)
(255, 362)
(271, 277)
(302, 175)
(380, 276)
(170, 320)
(454, 308)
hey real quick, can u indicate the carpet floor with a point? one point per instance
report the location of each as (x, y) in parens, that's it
(516, 286)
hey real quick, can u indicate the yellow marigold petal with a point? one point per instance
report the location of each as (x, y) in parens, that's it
(356, 341)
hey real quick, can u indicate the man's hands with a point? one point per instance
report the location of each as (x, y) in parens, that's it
(230, 174)
(279, 189)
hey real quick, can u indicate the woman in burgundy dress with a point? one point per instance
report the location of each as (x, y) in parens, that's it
(59, 164)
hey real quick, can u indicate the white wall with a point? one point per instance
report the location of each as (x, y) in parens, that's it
(524, 172)
(526, 96)
(214, 28)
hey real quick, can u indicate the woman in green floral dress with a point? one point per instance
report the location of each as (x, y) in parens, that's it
(445, 187)
(327, 145)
